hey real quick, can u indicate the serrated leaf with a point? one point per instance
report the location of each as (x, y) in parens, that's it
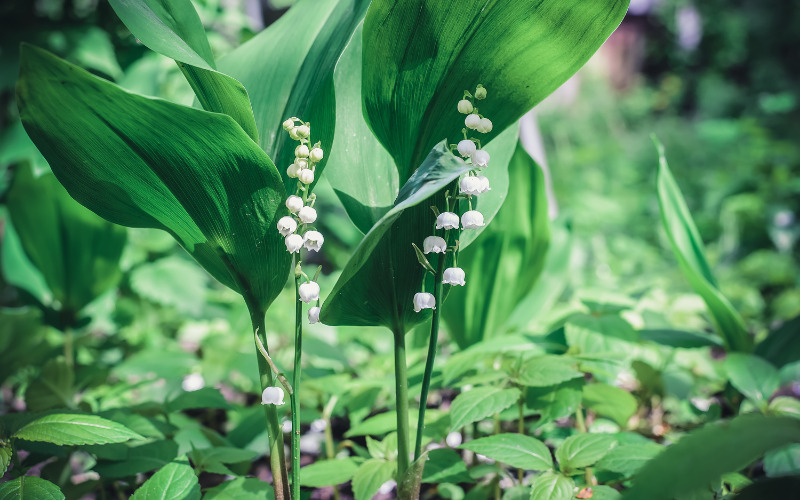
(687, 245)
(445, 466)
(241, 488)
(67, 429)
(480, 403)
(629, 458)
(175, 481)
(215, 459)
(544, 371)
(609, 401)
(754, 377)
(30, 488)
(516, 450)
(328, 472)
(5, 458)
(727, 446)
(583, 450)
(151, 163)
(370, 476)
(552, 486)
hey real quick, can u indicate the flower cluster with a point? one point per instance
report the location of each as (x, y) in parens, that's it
(297, 228)
(470, 185)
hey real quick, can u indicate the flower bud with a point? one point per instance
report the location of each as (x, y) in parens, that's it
(301, 151)
(294, 242)
(480, 92)
(302, 131)
(316, 155)
(472, 220)
(293, 171)
(294, 203)
(313, 240)
(288, 125)
(293, 134)
(485, 187)
(272, 396)
(301, 163)
(464, 106)
(480, 158)
(287, 225)
(424, 300)
(435, 244)
(309, 292)
(466, 147)
(447, 220)
(313, 315)
(307, 215)
(307, 176)
(453, 276)
(470, 185)
(485, 126)
(472, 120)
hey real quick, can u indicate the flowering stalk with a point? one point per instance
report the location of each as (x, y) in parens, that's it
(298, 351)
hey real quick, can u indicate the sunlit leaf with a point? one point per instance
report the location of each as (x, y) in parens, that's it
(480, 403)
(516, 450)
(69, 429)
(175, 481)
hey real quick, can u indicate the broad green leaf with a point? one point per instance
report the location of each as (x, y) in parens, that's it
(213, 459)
(516, 450)
(20, 351)
(173, 28)
(678, 338)
(386, 422)
(544, 371)
(151, 163)
(445, 466)
(505, 260)
(552, 486)
(629, 458)
(370, 476)
(19, 271)
(53, 388)
(30, 488)
(785, 405)
(5, 458)
(752, 376)
(782, 461)
(175, 481)
(377, 286)
(420, 56)
(603, 492)
(555, 402)
(583, 450)
(688, 249)
(66, 429)
(478, 404)
(241, 488)
(76, 251)
(288, 71)
(172, 281)
(715, 449)
(609, 401)
(782, 345)
(328, 472)
(207, 397)
(137, 459)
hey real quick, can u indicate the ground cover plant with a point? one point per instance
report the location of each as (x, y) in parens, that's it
(327, 265)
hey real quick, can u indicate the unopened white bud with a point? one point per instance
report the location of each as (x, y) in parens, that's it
(447, 220)
(313, 240)
(287, 225)
(293, 133)
(485, 126)
(472, 120)
(301, 151)
(472, 220)
(470, 185)
(316, 155)
(464, 106)
(466, 147)
(302, 131)
(480, 158)
(313, 315)
(480, 92)
(293, 171)
(309, 292)
(272, 396)
(294, 242)
(288, 125)
(307, 215)
(453, 276)
(301, 163)
(424, 300)
(294, 203)
(306, 176)
(435, 244)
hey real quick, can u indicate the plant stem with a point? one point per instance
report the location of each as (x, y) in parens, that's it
(276, 454)
(298, 351)
(330, 452)
(69, 356)
(521, 431)
(401, 394)
(588, 474)
(434, 340)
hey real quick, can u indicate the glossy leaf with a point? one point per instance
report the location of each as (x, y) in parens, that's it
(420, 56)
(175, 481)
(583, 450)
(76, 252)
(370, 476)
(480, 403)
(687, 245)
(149, 163)
(328, 472)
(552, 486)
(752, 376)
(173, 28)
(715, 450)
(30, 488)
(503, 263)
(288, 72)
(610, 401)
(516, 450)
(66, 429)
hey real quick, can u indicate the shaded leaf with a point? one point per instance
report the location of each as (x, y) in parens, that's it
(583, 450)
(241, 488)
(207, 397)
(770, 488)
(5, 458)
(609, 401)
(328, 472)
(175, 481)
(782, 461)
(627, 459)
(370, 476)
(30, 488)
(678, 338)
(171, 281)
(445, 466)
(516, 450)
(69, 429)
(480, 403)
(752, 376)
(555, 402)
(782, 345)
(141, 458)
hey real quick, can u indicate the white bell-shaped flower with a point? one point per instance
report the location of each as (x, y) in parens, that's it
(307, 176)
(301, 151)
(288, 125)
(464, 106)
(447, 220)
(272, 396)
(293, 133)
(302, 131)
(453, 276)
(294, 203)
(301, 163)
(472, 120)
(472, 220)
(470, 185)
(313, 240)
(424, 300)
(293, 171)
(485, 126)
(316, 155)
(307, 215)
(435, 244)
(480, 158)
(309, 292)
(485, 187)
(313, 315)
(287, 225)
(294, 242)
(466, 148)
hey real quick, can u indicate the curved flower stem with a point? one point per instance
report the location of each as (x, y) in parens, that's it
(276, 455)
(434, 339)
(298, 351)
(401, 394)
